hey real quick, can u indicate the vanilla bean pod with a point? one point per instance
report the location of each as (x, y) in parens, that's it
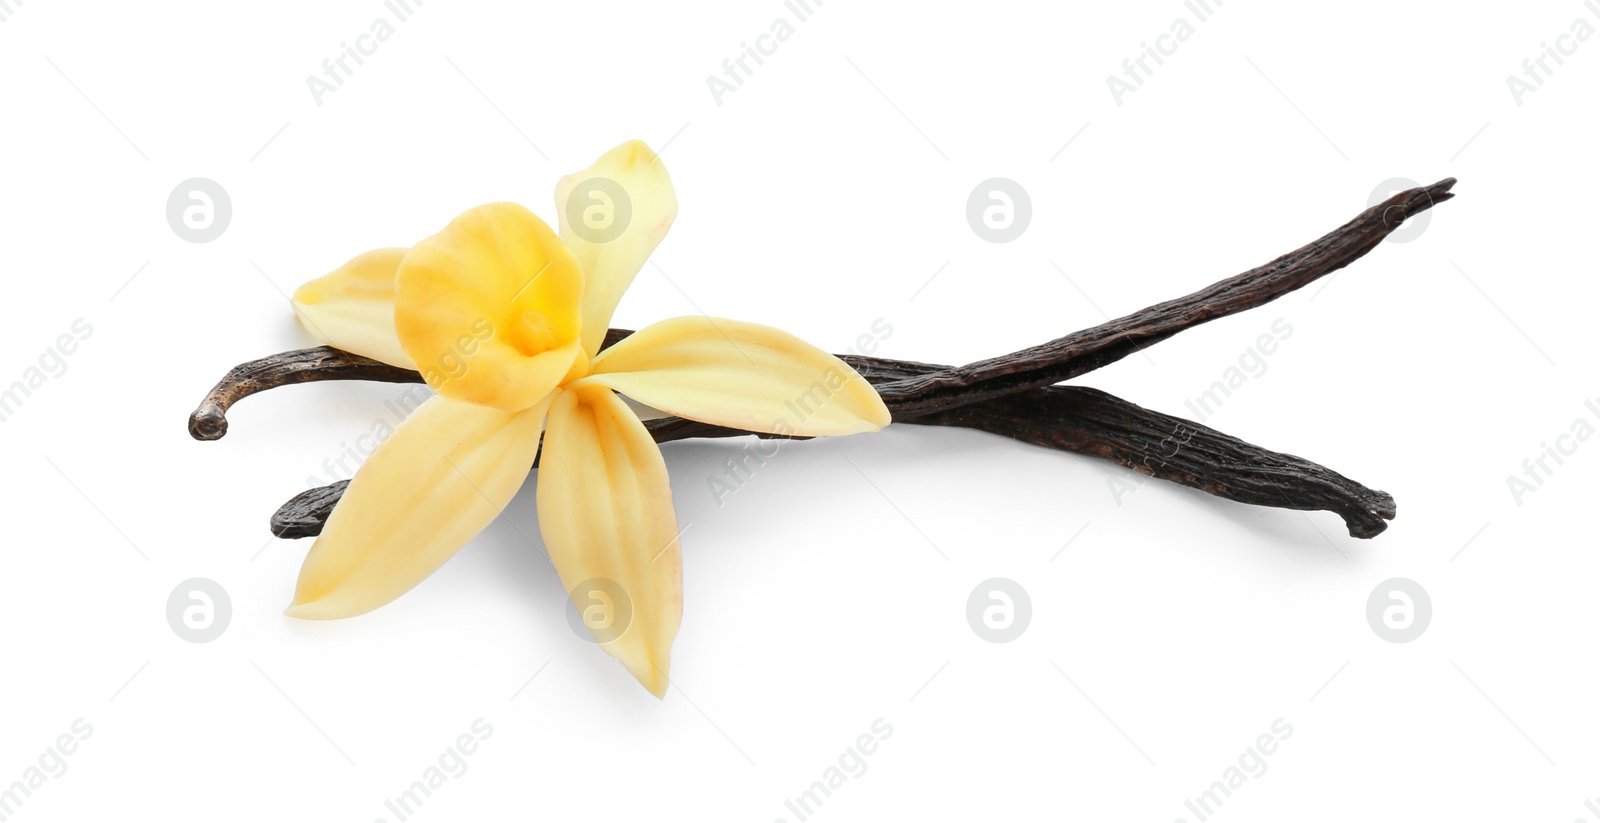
(1076, 419)
(1094, 423)
(209, 421)
(1009, 395)
(1069, 418)
(942, 387)
(1091, 422)
(1098, 424)
(1084, 351)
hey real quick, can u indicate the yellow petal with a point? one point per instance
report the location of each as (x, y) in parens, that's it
(613, 214)
(605, 510)
(443, 475)
(741, 375)
(352, 307)
(488, 309)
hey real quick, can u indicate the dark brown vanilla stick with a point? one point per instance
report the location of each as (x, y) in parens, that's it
(1075, 419)
(210, 421)
(1091, 422)
(1070, 418)
(1087, 421)
(943, 387)
(1087, 350)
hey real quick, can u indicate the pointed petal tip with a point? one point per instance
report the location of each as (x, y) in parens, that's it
(308, 294)
(648, 667)
(741, 375)
(303, 611)
(352, 307)
(652, 677)
(635, 151)
(872, 413)
(320, 609)
(879, 416)
(337, 604)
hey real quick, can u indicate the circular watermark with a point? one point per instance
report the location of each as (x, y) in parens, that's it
(599, 210)
(198, 610)
(1399, 610)
(199, 210)
(599, 610)
(1415, 225)
(999, 210)
(999, 610)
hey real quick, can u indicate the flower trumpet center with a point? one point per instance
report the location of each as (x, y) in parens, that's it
(495, 299)
(533, 333)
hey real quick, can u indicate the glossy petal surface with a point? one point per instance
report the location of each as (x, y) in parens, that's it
(443, 475)
(613, 215)
(605, 511)
(488, 309)
(742, 375)
(352, 307)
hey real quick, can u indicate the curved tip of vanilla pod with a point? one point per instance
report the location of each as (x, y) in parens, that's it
(1423, 198)
(1440, 191)
(207, 423)
(305, 514)
(1374, 520)
(1407, 204)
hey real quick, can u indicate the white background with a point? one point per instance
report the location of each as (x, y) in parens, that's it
(1170, 629)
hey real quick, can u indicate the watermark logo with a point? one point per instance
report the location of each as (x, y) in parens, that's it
(351, 454)
(9, 8)
(51, 364)
(736, 70)
(739, 469)
(199, 610)
(336, 70)
(1415, 224)
(851, 765)
(1399, 610)
(999, 210)
(1536, 70)
(453, 362)
(1538, 470)
(199, 210)
(599, 610)
(51, 764)
(1123, 484)
(1594, 808)
(1252, 363)
(1250, 765)
(450, 765)
(599, 210)
(999, 610)
(1137, 70)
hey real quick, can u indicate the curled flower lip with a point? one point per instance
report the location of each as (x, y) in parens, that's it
(505, 318)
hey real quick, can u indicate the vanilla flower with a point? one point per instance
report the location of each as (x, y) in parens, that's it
(505, 319)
